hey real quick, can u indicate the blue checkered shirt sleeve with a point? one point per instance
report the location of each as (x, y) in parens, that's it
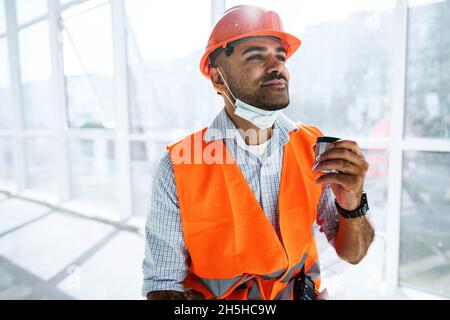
(164, 266)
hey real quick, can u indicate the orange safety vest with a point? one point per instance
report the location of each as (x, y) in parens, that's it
(235, 252)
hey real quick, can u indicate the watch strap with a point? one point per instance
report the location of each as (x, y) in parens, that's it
(358, 212)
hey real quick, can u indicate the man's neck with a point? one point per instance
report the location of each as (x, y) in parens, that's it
(251, 134)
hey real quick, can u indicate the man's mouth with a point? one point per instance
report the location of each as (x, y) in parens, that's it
(276, 83)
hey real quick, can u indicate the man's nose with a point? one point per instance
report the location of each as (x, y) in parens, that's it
(274, 65)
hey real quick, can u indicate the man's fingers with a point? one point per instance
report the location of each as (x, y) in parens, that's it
(349, 145)
(338, 164)
(194, 295)
(343, 154)
(348, 182)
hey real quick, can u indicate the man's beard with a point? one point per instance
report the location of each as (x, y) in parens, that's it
(261, 97)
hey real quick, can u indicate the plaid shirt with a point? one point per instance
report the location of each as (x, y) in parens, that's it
(166, 257)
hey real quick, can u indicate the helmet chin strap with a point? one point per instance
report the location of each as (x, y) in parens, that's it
(226, 84)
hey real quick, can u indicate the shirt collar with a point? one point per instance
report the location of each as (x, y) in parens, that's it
(223, 128)
(284, 126)
(219, 128)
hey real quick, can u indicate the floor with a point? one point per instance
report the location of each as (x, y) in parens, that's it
(47, 254)
(51, 254)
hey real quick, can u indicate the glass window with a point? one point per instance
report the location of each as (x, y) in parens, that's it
(28, 10)
(34, 47)
(5, 97)
(2, 17)
(376, 186)
(428, 70)
(93, 172)
(6, 162)
(40, 165)
(144, 158)
(167, 90)
(88, 65)
(340, 78)
(425, 240)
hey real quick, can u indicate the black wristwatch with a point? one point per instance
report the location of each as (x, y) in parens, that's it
(358, 212)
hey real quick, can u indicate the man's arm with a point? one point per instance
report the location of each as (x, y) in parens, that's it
(353, 239)
(165, 264)
(354, 236)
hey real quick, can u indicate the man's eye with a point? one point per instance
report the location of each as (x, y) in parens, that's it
(255, 57)
(281, 58)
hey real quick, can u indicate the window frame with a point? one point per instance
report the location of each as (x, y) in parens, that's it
(395, 145)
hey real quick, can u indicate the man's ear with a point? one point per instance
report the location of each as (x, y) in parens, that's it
(216, 79)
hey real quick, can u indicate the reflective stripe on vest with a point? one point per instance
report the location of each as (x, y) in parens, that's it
(234, 250)
(219, 286)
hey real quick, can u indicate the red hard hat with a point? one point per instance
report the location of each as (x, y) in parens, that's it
(246, 21)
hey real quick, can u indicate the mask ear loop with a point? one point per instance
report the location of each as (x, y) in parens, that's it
(226, 84)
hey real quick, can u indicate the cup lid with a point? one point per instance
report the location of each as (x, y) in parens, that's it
(327, 139)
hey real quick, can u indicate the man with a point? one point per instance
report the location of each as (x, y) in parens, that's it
(234, 204)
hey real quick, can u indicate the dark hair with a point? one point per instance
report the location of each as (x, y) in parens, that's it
(213, 56)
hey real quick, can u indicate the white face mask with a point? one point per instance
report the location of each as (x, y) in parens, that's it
(262, 119)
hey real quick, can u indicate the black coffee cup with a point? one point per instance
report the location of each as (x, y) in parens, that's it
(322, 145)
